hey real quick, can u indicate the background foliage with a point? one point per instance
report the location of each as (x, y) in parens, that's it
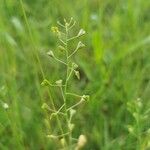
(115, 72)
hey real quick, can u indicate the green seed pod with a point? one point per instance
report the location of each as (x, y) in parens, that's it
(45, 82)
(81, 32)
(74, 66)
(45, 106)
(59, 82)
(52, 136)
(80, 45)
(61, 48)
(82, 140)
(72, 112)
(50, 53)
(71, 126)
(85, 97)
(63, 142)
(77, 74)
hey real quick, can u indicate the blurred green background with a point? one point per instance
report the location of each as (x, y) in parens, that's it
(114, 66)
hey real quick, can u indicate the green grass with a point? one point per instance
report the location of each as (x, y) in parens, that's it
(114, 66)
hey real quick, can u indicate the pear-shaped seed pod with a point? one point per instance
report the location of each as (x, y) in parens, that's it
(81, 32)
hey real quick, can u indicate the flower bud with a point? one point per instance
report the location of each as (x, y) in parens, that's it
(66, 24)
(55, 29)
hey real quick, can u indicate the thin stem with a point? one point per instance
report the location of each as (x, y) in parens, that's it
(72, 38)
(71, 19)
(138, 128)
(58, 136)
(81, 101)
(72, 25)
(62, 41)
(59, 60)
(54, 85)
(73, 53)
(60, 24)
(73, 94)
(70, 74)
(38, 59)
(63, 96)
(66, 83)
(58, 111)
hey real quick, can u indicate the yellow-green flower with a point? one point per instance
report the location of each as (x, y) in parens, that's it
(55, 30)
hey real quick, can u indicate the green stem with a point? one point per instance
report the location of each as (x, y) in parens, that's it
(39, 63)
(66, 84)
(73, 94)
(81, 101)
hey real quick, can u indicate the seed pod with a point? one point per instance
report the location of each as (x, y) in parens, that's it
(50, 53)
(61, 48)
(74, 65)
(81, 32)
(59, 82)
(72, 112)
(71, 126)
(52, 136)
(80, 45)
(45, 82)
(45, 106)
(85, 97)
(63, 142)
(81, 141)
(77, 74)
